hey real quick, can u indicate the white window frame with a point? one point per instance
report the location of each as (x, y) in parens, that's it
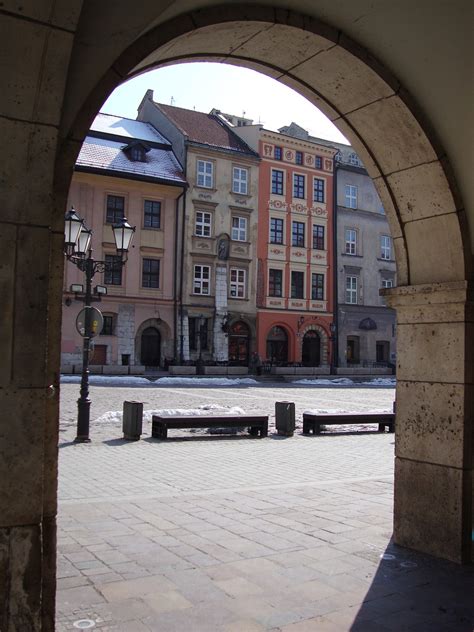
(350, 240)
(386, 283)
(240, 180)
(203, 224)
(385, 247)
(239, 232)
(354, 160)
(351, 290)
(205, 174)
(351, 195)
(201, 281)
(238, 283)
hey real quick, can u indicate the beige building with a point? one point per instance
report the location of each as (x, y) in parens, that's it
(217, 319)
(126, 169)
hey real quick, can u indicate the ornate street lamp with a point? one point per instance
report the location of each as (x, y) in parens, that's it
(77, 248)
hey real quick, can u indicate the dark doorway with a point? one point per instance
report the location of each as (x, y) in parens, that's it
(151, 347)
(353, 350)
(239, 343)
(277, 346)
(382, 350)
(311, 355)
(99, 355)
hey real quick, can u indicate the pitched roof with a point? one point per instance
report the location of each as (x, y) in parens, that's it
(108, 124)
(205, 129)
(108, 155)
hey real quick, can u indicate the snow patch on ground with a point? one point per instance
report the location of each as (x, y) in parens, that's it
(115, 417)
(121, 380)
(205, 381)
(346, 381)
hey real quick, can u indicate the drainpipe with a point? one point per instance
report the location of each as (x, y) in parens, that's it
(181, 314)
(335, 342)
(175, 288)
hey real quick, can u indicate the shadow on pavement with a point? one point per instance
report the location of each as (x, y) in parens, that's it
(412, 591)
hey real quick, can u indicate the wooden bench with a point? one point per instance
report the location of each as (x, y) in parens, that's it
(257, 424)
(313, 422)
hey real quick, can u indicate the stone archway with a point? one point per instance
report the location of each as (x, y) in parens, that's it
(164, 334)
(74, 61)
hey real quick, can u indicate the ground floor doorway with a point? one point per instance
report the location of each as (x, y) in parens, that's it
(311, 352)
(277, 346)
(239, 344)
(151, 347)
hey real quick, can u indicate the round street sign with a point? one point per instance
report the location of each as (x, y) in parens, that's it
(96, 321)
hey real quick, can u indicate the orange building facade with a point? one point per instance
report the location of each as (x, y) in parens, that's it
(295, 287)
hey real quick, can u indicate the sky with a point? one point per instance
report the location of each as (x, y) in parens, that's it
(231, 89)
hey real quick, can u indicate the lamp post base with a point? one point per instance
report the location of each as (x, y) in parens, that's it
(80, 439)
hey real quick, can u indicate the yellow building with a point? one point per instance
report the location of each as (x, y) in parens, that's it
(127, 169)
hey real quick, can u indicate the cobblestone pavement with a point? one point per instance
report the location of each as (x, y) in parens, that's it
(236, 534)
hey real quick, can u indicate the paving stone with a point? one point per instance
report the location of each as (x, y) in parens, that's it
(240, 536)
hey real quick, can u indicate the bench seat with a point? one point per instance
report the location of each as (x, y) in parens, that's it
(257, 424)
(313, 422)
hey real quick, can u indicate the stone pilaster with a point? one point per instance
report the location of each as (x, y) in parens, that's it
(434, 426)
(221, 346)
(125, 330)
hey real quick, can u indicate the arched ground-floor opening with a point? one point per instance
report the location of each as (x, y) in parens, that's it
(414, 177)
(150, 347)
(311, 352)
(239, 344)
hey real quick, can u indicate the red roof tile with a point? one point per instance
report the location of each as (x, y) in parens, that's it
(205, 129)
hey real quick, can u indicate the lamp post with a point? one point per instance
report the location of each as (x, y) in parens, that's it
(77, 249)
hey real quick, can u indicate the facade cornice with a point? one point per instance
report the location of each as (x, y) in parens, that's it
(292, 141)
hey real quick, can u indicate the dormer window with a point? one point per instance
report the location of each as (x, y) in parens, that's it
(136, 152)
(354, 160)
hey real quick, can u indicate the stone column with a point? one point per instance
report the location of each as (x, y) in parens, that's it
(221, 345)
(434, 425)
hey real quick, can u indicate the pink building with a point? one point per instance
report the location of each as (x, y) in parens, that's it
(126, 168)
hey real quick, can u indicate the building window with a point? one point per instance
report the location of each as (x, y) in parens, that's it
(385, 247)
(240, 180)
(318, 237)
(318, 162)
(137, 154)
(237, 283)
(354, 160)
(297, 234)
(277, 182)
(276, 231)
(152, 214)
(198, 326)
(203, 224)
(205, 174)
(151, 273)
(113, 272)
(318, 190)
(277, 154)
(239, 228)
(275, 282)
(351, 290)
(351, 241)
(387, 283)
(115, 209)
(317, 287)
(351, 196)
(109, 325)
(299, 157)
(297, 285)
(298, 186)
(202, 279)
